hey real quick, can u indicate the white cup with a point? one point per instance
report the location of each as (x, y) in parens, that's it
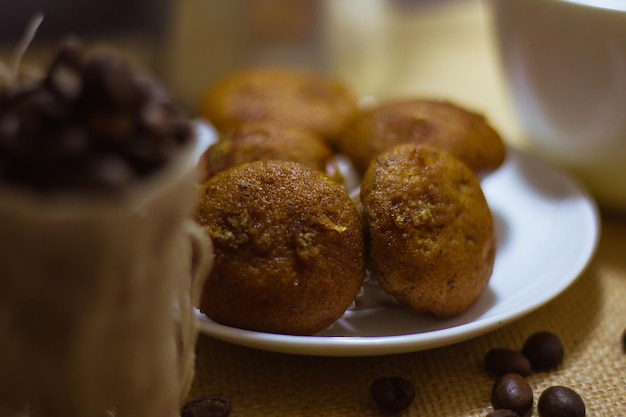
(565, 64)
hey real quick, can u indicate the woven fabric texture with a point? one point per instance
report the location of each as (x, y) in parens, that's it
(589, 317)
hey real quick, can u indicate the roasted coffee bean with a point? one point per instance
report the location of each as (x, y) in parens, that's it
(503, 412)
(71, 53)
(65, 82)
(544, 350)
(64, 75)
(207, 406)
(9, 126)
(111, 126)
(500, 361)
(512, 392)
(143, 150)
(108, 81)
(13, 93)
(623, 340)
(41, 108)
(72, 141)
(155, 118)
(393, 394)
(559, 401)
(182, 130)
(109, 172)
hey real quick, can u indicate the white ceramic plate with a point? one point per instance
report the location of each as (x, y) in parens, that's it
(547, 231)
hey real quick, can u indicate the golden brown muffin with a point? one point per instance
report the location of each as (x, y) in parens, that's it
(295, 98)
(464, 134)
(432, 235)
(289, 248)
(262, 141)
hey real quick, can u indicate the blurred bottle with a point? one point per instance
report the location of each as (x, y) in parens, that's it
(356, 42)
(208, 39)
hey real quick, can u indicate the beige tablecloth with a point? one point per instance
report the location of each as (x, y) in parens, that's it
(589, 317)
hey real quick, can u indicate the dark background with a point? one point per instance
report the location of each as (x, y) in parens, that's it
(84, 18)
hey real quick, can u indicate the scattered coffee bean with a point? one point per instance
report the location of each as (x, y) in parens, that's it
(499, 361)
(393, 394)
(512, 392)
(503, 412)
(624, 340)
(559, 401)
(544, 350)
(207, 406)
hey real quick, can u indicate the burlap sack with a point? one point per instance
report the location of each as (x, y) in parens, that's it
(96, 299)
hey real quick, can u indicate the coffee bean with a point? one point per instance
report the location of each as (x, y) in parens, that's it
(65, 82)
(12, 93)
(512, 392)
(72, 141)
(624, 340)
(393, 394)
(155, 118)
(207, 406)
(109, 172)
(152, 91)
(500, 361)
(110, 126)
(71, 53)
(544, 350)
(64, 75)
(182, 130)
(41, 108)
(559, 401)
(503, 412)
(9, 128)
(108, 82)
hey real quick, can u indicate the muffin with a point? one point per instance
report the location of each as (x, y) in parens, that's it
(430, 229)
(295, 98)
(289, 248)
(260, 141)
(445, 125)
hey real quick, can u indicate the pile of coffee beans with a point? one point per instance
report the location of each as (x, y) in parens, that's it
(91, 122)
(511, 393)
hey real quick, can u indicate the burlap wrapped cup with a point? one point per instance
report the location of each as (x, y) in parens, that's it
(96, 298)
